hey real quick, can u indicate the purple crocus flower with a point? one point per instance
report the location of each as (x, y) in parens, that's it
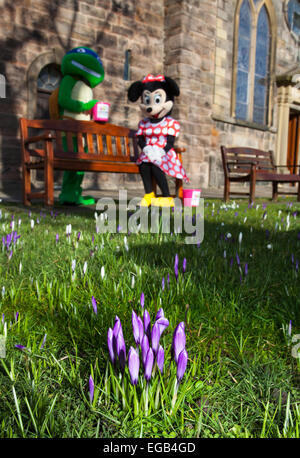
(246, 268)
(20, 347)
(163, 323)
(176, 266)
(160, 314)
(138, 328)
(94, 304)
(121, 350)
(147, 323)
(238, 259)
(179, 340)
(56, 238)
(133, 365)
(78, 235)
(168, 280)
(184, 265)
(155, 336)
(44, 341)
(145, 347)
(142, 300)
(160, 359)
(163, 284)
(148, 365)
(181, 364)
(16, 316)
(110, 345)
(290, 328)
(91, 388)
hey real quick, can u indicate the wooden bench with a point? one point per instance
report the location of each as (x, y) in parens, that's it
(249, 164)
(110, 148)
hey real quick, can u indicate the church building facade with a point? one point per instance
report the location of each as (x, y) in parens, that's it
(237, 63)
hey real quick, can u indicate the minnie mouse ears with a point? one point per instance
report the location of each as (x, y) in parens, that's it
(152, 83)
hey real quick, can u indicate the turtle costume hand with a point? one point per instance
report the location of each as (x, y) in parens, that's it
(82, 70)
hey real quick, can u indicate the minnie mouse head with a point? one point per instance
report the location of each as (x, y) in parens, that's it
(157, 95)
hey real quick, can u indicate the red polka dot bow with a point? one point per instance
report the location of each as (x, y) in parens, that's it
(149, 78)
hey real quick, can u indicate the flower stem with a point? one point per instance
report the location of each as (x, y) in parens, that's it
(176, 385)
(146, 400)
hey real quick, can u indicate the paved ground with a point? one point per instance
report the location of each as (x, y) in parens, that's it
(14, 193)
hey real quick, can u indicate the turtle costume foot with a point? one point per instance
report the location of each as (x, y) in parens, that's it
(71, 190)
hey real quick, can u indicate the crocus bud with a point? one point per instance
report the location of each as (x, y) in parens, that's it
(155, 336)
(181, 365)
(160, 359)
(121, 350)
(110, 345)
(133, 365)
(145, 348)
(135, 327)
(149, 364)
(179, 340)
(94, 304)
(147, 323)
(91, 388)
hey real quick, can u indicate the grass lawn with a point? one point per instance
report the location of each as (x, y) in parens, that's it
(239, 297)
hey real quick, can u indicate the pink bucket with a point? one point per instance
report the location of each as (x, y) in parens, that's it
(101, 111)
(191, 197)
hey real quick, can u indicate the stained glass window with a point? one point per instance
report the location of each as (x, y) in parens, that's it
(262, 68)
(293, 16)
(253, 68)
(244, 43)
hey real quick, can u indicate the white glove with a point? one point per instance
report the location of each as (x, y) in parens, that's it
(154, 153)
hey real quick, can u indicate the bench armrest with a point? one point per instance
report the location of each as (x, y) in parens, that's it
(37, 138)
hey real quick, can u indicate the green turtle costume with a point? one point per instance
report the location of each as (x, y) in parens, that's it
(82, 70)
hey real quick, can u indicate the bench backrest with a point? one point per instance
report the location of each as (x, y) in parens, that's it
(239, 159)
(83, 139)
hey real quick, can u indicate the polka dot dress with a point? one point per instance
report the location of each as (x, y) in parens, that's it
(156, 134)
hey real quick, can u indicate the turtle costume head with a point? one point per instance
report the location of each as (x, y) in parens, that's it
(85, 63)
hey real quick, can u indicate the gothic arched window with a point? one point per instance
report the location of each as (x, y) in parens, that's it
(48, 79)
(253, 70)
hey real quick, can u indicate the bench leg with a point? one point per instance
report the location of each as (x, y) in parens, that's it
(226, 189)
(49, 181)
(275, 191)
(26, 185)
(252, 191)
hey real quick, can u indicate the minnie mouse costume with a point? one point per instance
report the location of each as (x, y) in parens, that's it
(156, 135)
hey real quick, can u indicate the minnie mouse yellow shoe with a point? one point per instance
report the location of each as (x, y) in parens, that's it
(164, 202)
(146, 200)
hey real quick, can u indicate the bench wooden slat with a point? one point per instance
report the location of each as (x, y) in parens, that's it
(99, 144)
(80, 143)
(92, 166)
(90, 142)
(109, 145)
